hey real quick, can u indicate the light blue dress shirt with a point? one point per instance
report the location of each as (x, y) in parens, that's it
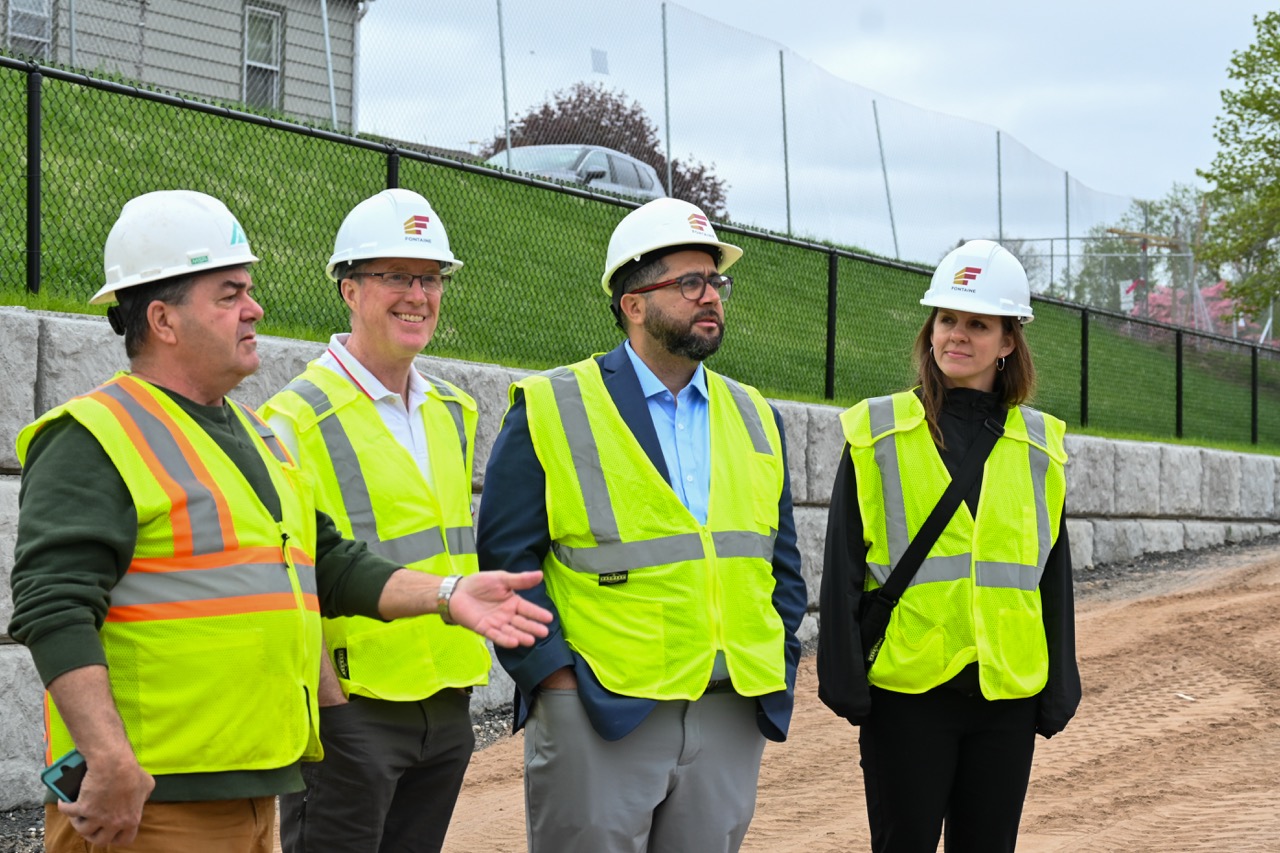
(684, 431)
(683, 424)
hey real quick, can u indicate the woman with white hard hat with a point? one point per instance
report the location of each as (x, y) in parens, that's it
(947, 628)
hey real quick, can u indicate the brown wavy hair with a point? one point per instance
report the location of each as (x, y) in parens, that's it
(1015, 385)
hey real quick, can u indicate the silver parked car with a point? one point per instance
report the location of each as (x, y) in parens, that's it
(590, 165)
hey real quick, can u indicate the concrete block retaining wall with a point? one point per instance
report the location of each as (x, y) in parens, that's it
(1124, 498)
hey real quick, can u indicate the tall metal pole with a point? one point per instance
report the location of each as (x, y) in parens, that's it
(999, 191)
(1253, 395)
(1066, 194)
(1084, 366)
(328, 64)
(786, 162)
(71, 24)
(502, 59)
(885, 171)
(833, 280)
(666, 100)
(33, 181)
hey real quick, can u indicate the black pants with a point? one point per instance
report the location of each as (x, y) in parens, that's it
(389, 779)
(946, 755)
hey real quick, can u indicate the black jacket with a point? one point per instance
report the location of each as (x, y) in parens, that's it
(842, 678)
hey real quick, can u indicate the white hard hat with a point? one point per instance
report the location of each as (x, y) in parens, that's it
(170, 233)
(392, 224)
(981, 277)
(661, 224)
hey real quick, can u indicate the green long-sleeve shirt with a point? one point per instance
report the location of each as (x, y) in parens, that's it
(77, 527)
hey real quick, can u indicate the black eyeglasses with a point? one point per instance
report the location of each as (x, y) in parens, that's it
(693, 285)
(402, 282)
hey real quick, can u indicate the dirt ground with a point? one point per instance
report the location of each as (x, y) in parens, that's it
(1176, 746)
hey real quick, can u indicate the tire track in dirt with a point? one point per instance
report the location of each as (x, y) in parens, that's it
(1176, 746)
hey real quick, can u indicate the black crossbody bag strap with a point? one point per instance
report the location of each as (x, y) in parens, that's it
(886, 597)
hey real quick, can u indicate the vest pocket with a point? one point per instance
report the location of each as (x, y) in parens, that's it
(906, 666)
(191, 713)
(1018, 654)
(391, 660)
(623, 638)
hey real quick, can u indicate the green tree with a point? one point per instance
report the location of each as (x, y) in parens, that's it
(590, 114)
(1172, 230)
(1243, 236)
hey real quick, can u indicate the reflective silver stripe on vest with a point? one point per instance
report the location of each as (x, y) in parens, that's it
(621, 556)
(586, 457)
(682, 547)
(202, 507)
(455, 410)
(950, 568)
(264, 432)
(744, 543)
(243, 579)
(1006, 575)
(750, 416)
(462, 540)
(421, 545)
(1039, 474)
(880, 411)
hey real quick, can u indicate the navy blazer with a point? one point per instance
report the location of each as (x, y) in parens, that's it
(512, 534)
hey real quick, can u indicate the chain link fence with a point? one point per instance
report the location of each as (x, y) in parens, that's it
(807, 321)
(800, 151)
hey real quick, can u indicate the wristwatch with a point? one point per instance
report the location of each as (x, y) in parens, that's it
(447, 586)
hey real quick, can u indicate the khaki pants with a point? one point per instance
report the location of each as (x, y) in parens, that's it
(216, 826)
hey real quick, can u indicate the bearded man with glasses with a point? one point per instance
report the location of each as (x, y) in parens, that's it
(391, 451)
(654, 495)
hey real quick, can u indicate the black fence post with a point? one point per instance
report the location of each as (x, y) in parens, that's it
(34, 79)
(833, 277)
(1253, 402)
(1177, 382)
(393, 169)
(1084, 367)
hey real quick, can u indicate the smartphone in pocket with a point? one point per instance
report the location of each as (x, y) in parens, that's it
(64, 776)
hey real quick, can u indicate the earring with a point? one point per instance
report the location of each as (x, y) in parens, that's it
(930, 349)
(1000, 363)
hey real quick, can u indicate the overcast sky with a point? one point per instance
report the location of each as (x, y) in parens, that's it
(974, 110)
(1122, 94)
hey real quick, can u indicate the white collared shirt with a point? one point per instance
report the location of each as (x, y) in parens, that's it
(403, 421)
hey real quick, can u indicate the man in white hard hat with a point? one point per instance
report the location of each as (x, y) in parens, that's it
(390, 451)
(654, 495)
(171, 566)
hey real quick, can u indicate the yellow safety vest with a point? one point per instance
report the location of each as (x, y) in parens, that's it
(212, 637)
(645, 593)
(976, 597)
(374, 491)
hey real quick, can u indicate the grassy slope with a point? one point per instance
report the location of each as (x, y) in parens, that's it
(529, 293)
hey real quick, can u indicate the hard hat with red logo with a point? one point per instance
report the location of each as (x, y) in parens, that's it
(981, 277)
(395, 223)
(664, 223)
(166, 234)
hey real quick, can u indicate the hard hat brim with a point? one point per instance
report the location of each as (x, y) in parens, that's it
(107, 294)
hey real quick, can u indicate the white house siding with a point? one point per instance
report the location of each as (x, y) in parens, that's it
(306, 85)
(196, 47)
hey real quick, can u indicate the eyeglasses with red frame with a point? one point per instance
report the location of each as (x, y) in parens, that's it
(693, 285)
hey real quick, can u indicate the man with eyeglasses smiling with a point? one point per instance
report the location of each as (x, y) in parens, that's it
(391, 451)
(654, 495)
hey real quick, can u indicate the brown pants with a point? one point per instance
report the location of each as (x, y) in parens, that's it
(217, 826)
